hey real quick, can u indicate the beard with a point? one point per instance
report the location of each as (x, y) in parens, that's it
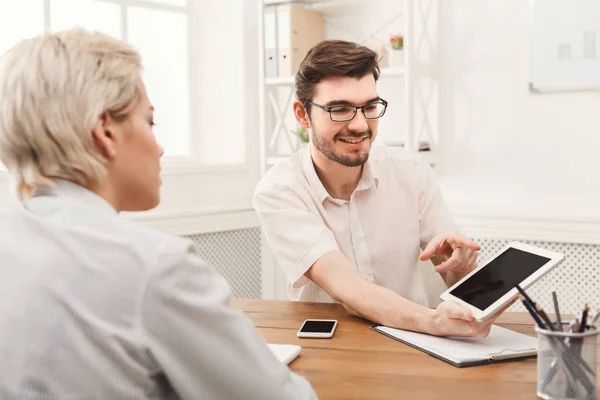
(355, 158)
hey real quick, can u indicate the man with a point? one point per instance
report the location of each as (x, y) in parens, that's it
(347, 221)
(92, 305)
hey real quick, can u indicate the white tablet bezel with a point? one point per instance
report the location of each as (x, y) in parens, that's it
(482, 315)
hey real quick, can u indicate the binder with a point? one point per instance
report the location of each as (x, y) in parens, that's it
(499, 346)
(270, 41)
(298, 29)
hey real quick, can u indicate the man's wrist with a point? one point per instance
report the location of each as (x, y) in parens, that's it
(428, 322)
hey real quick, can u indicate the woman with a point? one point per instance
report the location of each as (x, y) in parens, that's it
(93, 306)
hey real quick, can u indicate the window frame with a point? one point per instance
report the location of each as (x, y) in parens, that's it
(178, 165)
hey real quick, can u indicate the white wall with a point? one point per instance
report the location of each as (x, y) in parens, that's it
(506, 150)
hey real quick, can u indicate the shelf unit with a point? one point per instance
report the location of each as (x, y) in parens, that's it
(397, 71)
(427, 156)
(414, 84)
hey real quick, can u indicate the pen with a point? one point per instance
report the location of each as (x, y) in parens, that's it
(544, 316)
(579, 327)
(584, 315)
(532, 312)
(557, 312)
(557, 347)
(525, 295)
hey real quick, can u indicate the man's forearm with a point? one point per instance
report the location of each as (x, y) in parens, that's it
(382, 306)
(341, 280)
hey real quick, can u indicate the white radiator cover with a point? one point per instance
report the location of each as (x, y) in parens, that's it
(230, 239)
(576, 280)
(237, 255)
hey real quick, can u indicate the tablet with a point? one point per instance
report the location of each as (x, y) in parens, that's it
(491, 286)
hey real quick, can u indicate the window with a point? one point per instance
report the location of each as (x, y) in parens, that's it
(181, 71)
(162, 39)
(18, 20)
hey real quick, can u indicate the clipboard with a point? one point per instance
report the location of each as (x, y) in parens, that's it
(500, 345)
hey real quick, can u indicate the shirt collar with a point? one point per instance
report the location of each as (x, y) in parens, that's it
(78, 193)
(368, 177)
(311, 175)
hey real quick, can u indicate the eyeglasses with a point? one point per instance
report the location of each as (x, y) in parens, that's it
(345, 113)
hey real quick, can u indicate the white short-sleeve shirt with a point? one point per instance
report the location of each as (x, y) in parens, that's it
(396, 209)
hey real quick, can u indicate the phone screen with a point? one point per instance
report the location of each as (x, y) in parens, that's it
(502, 274)
(317, 326)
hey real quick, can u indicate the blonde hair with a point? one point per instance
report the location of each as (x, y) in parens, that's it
(53, 89)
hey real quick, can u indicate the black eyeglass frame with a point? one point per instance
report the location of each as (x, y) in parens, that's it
(356, 108)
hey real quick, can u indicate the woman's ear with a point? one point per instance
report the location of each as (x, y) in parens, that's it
(301, 115)
(103, 133)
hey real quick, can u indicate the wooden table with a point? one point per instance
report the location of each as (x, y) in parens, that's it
(359, 363)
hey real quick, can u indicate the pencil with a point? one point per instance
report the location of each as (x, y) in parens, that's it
(557, 312)
(525, 295)
(584, 315)
(532, 312)
(544, 316)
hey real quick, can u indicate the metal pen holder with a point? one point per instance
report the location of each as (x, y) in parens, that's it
(566, 365)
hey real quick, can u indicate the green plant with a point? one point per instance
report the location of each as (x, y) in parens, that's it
(397, 42)
(302, 134)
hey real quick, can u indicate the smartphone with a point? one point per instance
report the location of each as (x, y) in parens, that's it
(317, 328)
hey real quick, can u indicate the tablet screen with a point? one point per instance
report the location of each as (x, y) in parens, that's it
(494, 280)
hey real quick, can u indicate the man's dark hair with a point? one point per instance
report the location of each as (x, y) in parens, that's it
(333, 58)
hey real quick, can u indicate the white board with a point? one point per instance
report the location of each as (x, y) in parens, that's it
(565, 45)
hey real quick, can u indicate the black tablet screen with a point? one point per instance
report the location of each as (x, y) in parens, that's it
(494, 280)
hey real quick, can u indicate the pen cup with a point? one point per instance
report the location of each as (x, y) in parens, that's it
(566, 365)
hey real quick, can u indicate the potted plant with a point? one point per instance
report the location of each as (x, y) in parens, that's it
(396, 51)
(302, 135)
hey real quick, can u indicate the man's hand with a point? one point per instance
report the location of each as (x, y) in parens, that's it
(453, 319)
(451, 252)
